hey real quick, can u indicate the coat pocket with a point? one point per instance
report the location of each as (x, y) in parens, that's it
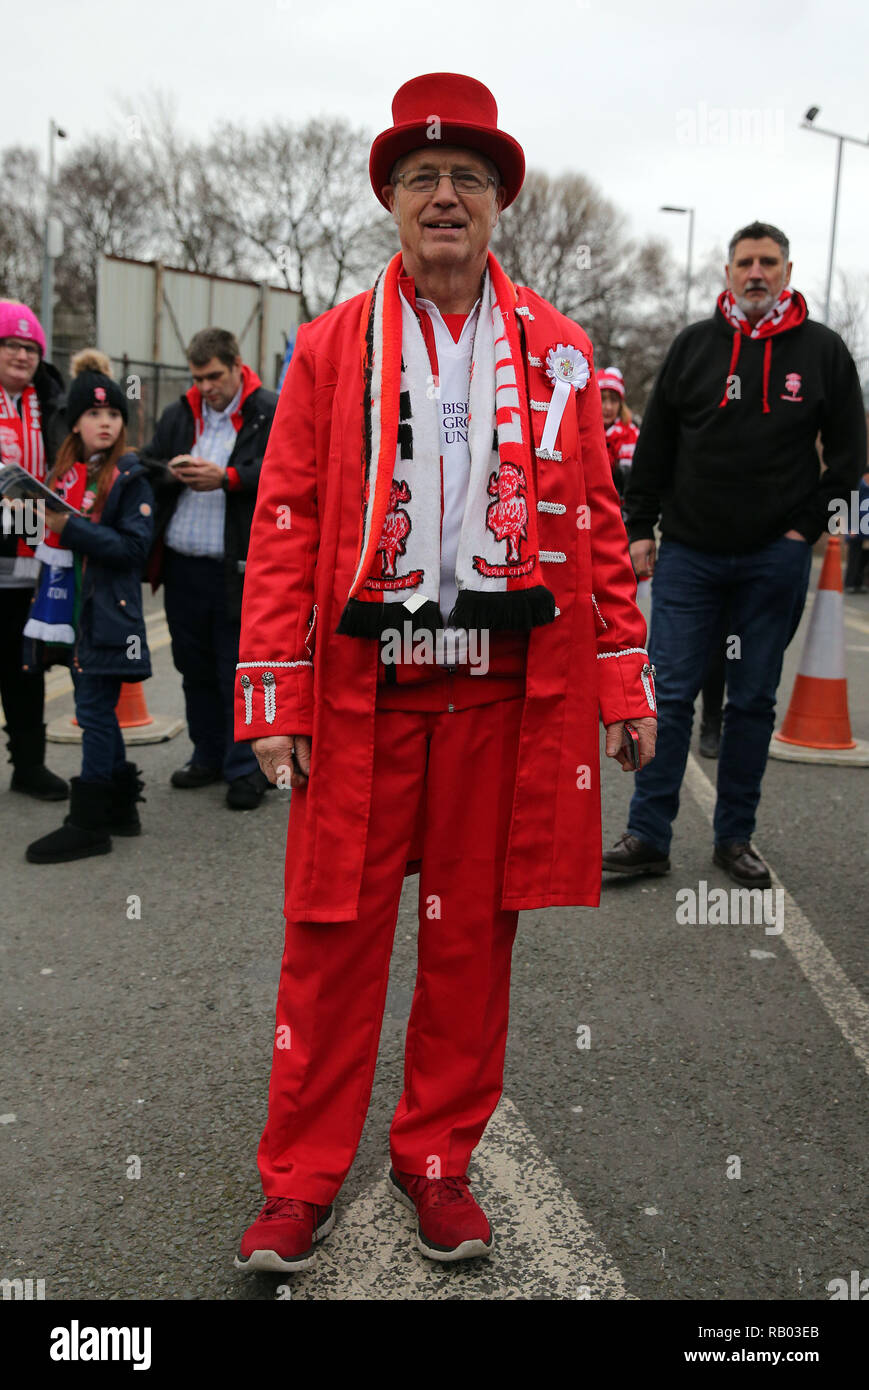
(115, 614)
(600, 623)
(311, 634)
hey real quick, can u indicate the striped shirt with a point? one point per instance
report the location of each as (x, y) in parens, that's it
(196, 527)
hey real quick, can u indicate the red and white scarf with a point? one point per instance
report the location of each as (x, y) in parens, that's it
(21, 442)
(788, 311)
(498, 575)
(21, 435)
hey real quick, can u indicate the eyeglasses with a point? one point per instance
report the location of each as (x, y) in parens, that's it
(12, 345)
(427, 180)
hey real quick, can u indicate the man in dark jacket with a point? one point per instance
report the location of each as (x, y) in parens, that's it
(31, 432)
(727, 459)
(204, 462)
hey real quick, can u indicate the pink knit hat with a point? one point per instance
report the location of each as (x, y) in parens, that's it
(611, 379)
(17, 321)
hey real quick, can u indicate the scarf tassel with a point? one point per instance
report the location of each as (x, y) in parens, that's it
(518, 610)
(361, 619)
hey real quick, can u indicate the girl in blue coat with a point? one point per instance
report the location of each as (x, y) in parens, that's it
(87, 610)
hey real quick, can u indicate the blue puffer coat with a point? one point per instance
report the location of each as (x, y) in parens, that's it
(116, 549)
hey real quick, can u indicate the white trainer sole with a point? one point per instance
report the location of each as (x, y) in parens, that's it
(270, 1262)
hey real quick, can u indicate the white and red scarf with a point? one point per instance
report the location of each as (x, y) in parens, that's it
(788, 311)
(498, 575)
(21, 442)
(21, 435)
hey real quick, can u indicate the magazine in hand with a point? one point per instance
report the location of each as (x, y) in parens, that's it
(17, 483)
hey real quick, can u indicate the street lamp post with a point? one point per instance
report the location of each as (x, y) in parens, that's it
(52, 242)
(690, 212)
(808, 124)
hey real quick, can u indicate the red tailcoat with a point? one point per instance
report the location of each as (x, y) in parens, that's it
(587, 664)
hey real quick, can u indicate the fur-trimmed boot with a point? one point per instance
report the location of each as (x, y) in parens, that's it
(127, 783)
(83, 832)
(30, 775)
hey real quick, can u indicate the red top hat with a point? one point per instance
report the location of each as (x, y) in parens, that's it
(445, 108)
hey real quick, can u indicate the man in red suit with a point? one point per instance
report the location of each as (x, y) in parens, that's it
(473, 758)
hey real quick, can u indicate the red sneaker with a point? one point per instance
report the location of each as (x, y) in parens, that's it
(284, 1235)
(451, 1224)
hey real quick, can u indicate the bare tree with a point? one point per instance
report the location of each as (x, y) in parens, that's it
(105, 200)
(299, 201)
(191, 232)
(21, 225)
(849, 312)
(569, 243)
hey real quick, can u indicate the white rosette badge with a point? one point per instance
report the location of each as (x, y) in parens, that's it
(568, 371)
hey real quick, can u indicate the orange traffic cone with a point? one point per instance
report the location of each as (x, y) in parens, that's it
(817, 716)
(139, 726)
(131, 710)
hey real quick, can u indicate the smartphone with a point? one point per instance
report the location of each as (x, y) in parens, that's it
(631, 742)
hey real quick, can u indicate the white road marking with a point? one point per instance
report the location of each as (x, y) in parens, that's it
(842, 1001)
(544, 1247)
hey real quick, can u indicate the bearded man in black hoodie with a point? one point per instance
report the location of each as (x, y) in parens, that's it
(727, 460)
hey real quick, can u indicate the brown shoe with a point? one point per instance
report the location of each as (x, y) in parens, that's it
(744, 865)
(630, 855)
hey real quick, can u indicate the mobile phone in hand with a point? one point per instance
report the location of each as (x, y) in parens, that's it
(631, 744)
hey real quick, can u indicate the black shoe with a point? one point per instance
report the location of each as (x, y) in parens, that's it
(191, 775)
(246, 793)
(30, 775)
(39, 782)
(123, 818)
(83, 832)
(744, 865)
(710, 738)
(630, 855)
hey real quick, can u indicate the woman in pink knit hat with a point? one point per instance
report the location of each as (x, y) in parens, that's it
(31, 431)
(621, 433)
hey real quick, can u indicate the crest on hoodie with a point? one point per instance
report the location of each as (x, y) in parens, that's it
(793, 382)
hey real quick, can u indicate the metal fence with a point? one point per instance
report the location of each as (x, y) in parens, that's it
(148, 386)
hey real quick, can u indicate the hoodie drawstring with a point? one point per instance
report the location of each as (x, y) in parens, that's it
(734, 358)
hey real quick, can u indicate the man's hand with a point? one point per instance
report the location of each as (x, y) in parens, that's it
(795, 536)
(643, 558)
(647, 732)
(280, 754)
(197, 474)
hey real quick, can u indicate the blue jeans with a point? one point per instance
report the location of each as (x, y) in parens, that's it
(763, 594)
(102, 744)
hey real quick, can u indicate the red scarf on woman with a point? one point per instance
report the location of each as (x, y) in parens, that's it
(21, 439)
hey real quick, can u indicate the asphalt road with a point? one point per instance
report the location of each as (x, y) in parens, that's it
(137, 1052)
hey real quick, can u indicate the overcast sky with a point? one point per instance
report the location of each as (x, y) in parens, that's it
(668, 102)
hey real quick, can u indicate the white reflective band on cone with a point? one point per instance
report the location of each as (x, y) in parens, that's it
(824, 653)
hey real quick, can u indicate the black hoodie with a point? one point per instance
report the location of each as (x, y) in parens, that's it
(723, 474)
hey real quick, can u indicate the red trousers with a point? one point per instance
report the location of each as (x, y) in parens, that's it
(458, 768)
